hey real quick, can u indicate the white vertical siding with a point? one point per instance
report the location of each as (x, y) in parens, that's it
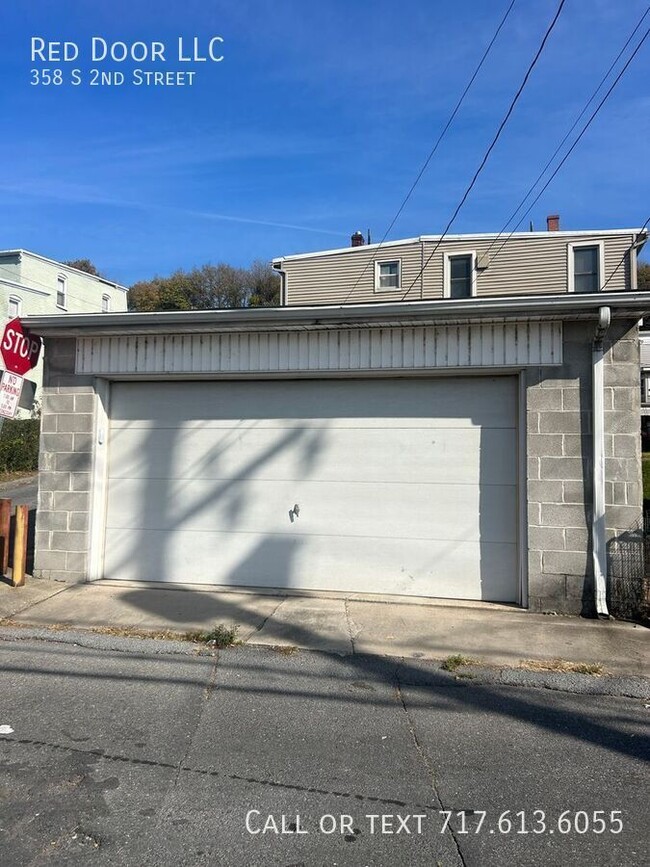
(494, 344)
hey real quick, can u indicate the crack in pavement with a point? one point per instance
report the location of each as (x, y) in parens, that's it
(266, 619)
(426, 762)
(349, 622)
(180, 768)
(29, 605)
(208, 689)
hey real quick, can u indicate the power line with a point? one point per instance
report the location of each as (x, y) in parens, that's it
(435, 147)
(575, 123)
(615, 271)
(513, 103)
(575, 143)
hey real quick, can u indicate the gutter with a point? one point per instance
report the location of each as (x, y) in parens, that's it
(566, 305)
(598, 530)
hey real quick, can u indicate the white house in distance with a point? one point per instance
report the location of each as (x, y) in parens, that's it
(32, 285)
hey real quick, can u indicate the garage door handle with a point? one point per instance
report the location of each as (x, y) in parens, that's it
(294, 513)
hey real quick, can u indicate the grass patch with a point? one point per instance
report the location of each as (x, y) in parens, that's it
(218, 636)
(285, 649)
(645, 464)
(456, 661)
(116, 631)
(130, 632)
(562, 666)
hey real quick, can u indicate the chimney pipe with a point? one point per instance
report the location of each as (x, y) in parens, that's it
(357, 239)
(553, 223)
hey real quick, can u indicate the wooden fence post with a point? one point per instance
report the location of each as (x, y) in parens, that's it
(5, 528)
(20, 546)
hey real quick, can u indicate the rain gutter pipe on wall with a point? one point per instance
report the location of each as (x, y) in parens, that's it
(599, 541)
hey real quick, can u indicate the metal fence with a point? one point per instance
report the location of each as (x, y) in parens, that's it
(629, 572)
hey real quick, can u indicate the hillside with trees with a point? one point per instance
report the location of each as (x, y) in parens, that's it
(208, 287)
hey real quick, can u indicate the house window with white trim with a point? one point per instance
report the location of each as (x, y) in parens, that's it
(388, 275)
(61, 292)
(106, 303)
(585, 269)
(586, 265)
(460, 275)
(15, 306)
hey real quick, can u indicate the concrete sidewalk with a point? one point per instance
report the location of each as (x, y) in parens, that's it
(428, 630)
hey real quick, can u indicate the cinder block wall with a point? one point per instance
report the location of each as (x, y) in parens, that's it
(559, 451)
(65, 463)
(559, 455)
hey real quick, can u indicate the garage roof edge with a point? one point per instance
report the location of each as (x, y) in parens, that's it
(565, 306)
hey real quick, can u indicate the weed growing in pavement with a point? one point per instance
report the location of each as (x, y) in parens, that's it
(562, 666)
(456, 661)
(218, 636)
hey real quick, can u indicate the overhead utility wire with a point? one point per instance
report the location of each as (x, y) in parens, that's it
(629, 249)
(575, 143)
(435, 147)
(492, 144)
(575, 123)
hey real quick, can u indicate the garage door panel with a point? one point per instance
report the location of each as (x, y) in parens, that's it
(336, 402)
(469, 570)
(404, 485)
(356, 455)
(405, 511)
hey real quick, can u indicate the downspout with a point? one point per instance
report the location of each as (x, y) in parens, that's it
(283, 282)
(599, 542)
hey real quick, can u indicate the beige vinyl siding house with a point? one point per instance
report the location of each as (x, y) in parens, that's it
(530, 263)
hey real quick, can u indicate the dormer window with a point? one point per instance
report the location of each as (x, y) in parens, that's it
(61, 292)
(586, 267)
(106, 303)
(460, 274)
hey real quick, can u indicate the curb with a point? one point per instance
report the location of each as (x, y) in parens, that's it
(418, 673)
(623, 686)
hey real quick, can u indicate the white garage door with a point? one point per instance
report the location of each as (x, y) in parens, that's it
(403, 486)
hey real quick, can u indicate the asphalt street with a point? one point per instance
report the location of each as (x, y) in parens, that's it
(124, 757)
(22, 491)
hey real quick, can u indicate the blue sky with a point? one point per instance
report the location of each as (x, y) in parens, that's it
(314, 124)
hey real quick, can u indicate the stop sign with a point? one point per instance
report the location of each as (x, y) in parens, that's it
(19, 349)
